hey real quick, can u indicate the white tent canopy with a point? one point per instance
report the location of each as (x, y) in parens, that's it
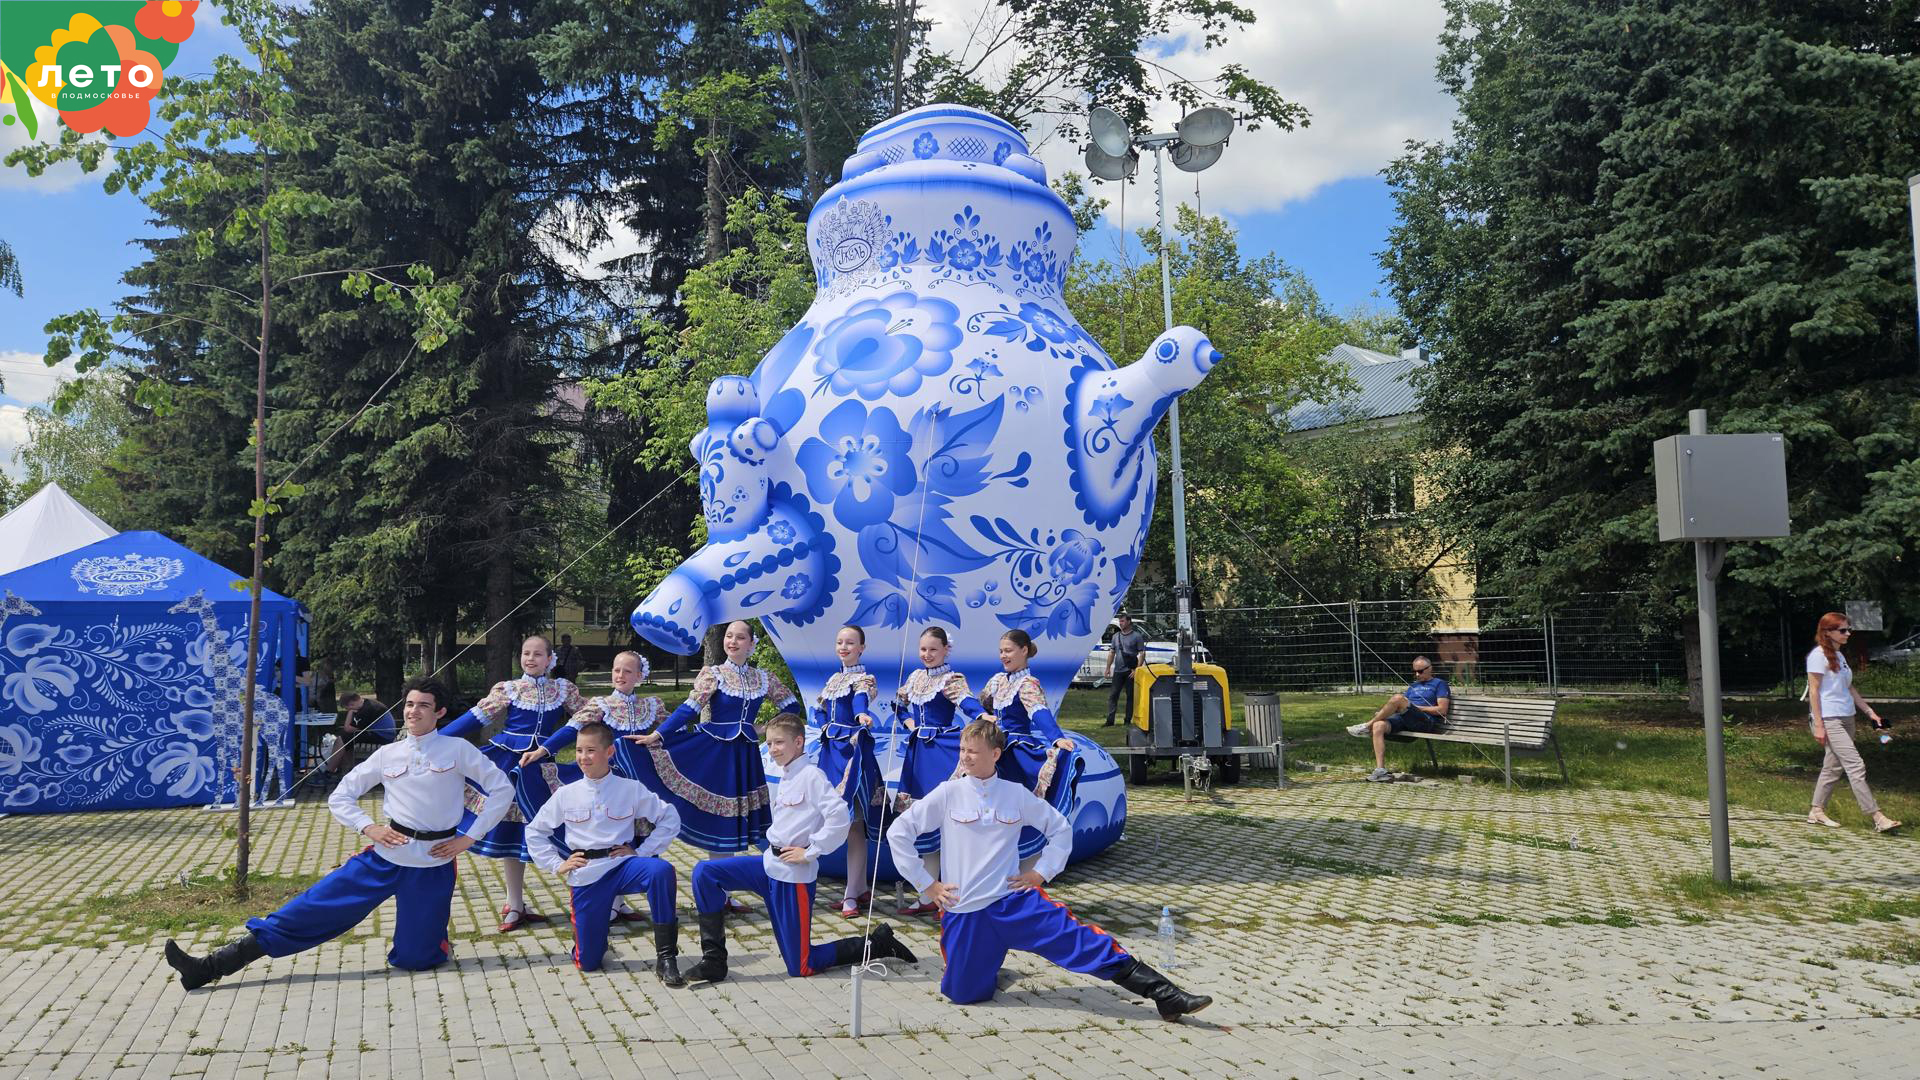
(50, 523)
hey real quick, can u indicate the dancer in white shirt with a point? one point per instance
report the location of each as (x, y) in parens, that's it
(600, 813)
(411, 858)
(988, 905)
(809, 820)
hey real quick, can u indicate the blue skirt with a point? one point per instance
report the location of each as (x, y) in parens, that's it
(532, 787)
(853, 771)
(1023, 762)
(932, 759)
(719, 786)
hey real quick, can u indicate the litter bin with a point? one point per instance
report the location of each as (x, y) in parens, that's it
(1263, 725)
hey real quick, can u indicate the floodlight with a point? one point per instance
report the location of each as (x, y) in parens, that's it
(1190, 158)
(1112, 166)
(1110, 133)
(1205, 127)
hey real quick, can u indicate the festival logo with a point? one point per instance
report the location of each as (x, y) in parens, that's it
(125, 575)
(97, 64)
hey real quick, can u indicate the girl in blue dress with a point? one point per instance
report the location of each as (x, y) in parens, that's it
(711, 767)
(934, 705)
(843, 718)
(533, 706)
(630, 716)
(1039, 756)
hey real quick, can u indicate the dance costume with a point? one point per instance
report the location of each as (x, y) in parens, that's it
(598, 816)
(424, 777)
(712, 772)
(534, 706)
(845, 751)
(626, 714)
(939, 703)
(1031, 759)
(806, 811)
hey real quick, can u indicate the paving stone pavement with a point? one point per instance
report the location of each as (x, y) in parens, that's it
(1344, 929)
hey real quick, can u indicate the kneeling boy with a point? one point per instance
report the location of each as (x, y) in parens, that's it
(600, 811)
(809, 820)
(987, 905)
(425, 776)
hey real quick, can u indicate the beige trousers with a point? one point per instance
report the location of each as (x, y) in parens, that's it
(1842, 757)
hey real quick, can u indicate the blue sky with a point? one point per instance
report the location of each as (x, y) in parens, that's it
(1364, 68)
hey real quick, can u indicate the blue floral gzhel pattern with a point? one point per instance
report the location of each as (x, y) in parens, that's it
(855, 244)
(112, 714)
(925, 146)
(886, 346)
(858, 463)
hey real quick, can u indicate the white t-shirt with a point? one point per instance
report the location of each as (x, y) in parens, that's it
(1836, 687)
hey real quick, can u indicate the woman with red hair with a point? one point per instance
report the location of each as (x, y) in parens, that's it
(1834, 701)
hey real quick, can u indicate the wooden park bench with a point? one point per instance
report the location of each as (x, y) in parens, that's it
(1513, 724)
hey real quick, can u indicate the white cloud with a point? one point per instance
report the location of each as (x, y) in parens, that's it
(1364, 69)
(13, 435)
(26, 378)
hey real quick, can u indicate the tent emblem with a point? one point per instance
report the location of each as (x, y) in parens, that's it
(127, 575)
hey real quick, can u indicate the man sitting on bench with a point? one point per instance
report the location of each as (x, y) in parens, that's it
(1422, 708)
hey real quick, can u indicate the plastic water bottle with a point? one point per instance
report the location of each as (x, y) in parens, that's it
(1166, 938)
(1885, 736)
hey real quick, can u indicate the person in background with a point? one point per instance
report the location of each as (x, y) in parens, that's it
(1129, 649)
(362, 720)
(1421, 707)
(1833, 702)
(567, 659)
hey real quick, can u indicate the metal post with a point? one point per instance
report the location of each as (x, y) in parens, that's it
(1913, 207)
(1546, 645)
(1707, 556)
(1353, 632)
(1182, 585)
(856, 994)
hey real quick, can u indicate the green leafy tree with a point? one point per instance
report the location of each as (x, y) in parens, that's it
(10, 270)
(1650, 207)
(74, 441)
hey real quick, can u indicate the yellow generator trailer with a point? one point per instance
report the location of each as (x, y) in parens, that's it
(1157, 731)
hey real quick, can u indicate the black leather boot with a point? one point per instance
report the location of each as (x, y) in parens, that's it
(1172, 1001)
(713, 950)
(885, 944)
(196, 972)
(666, 953)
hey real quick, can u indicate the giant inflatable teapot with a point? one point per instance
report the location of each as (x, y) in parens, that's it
(938, 441)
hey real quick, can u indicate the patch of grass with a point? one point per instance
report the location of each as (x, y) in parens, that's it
(1345, 867)
(1859, 907)
(1244, 820)
(1903, 950)
(1530, 840)
(1701, 891)
(201, 904)
(1751, 844)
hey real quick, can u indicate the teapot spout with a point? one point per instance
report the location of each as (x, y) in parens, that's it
(1111, 416)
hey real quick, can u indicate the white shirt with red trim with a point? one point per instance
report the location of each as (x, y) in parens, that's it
(599, 814)
(979, 823)
(807, 813)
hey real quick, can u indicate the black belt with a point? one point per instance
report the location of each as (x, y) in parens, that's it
(594, 852)
(422, 834)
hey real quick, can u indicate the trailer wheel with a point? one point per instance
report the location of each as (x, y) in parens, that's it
(1137, 765)
(1229, 766)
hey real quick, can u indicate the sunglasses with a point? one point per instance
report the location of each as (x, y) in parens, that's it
(1843, 629)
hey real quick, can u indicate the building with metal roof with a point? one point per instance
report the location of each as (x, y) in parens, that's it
(1387, 393)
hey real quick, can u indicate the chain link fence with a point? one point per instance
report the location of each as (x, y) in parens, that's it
(1598, 643)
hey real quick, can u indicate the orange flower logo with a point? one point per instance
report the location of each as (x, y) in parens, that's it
(166, 20)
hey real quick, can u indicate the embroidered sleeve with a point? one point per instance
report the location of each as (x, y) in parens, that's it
(574, 702)
(956, 689)
(589, 711)
(485, 711)
(1038, 710)
(703, 686)
(778, 694)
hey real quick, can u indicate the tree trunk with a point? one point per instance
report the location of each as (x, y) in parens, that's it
(716, 208)
(1690, 644)
(711, 651)
(449, 648)
(902, 35)
(390, 673)
(503, 648)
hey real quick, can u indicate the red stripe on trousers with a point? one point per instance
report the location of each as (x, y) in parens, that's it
(806, 926)
(1096, 928)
